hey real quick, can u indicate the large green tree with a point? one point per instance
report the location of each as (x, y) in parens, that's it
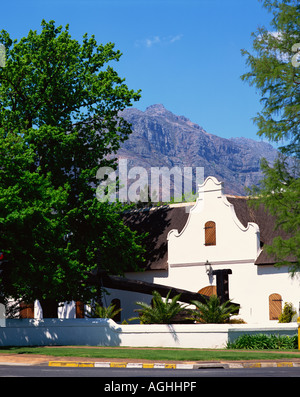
(59, 119)
(275, 72)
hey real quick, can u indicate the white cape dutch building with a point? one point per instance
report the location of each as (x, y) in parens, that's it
(187, 243)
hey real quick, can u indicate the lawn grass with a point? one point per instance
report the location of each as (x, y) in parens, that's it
(155, 354)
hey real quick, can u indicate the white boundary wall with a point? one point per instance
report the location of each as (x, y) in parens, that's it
(105, 332)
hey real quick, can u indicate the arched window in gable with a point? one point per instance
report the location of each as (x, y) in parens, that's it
(210, 233)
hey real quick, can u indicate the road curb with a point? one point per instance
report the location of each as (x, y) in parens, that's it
(173, 366)
(264, 364)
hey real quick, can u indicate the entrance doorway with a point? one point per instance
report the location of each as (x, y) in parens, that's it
(208, 291)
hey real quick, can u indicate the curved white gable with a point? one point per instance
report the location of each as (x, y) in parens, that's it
(234, 242)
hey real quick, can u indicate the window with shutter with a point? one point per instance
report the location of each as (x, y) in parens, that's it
(275, 306)
(79, 309)
(26, 310)
(210, 233)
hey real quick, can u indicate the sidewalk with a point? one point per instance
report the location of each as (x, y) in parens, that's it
(45, 360)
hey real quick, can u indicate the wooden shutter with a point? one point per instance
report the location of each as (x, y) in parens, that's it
(275, 306)
(26, 310)
(79, 309)
(210, 233)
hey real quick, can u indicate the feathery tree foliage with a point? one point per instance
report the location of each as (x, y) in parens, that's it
(275, 72)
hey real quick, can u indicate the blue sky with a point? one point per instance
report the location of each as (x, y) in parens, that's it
(184, 54)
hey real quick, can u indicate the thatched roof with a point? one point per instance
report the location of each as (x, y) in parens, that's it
(157, 222)
(266, 222)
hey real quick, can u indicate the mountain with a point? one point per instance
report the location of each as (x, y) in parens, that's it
(163, 139)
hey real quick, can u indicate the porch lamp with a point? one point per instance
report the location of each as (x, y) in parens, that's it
(208, 268)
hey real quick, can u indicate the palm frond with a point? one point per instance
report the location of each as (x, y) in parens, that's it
(213, 311)
(162, 310)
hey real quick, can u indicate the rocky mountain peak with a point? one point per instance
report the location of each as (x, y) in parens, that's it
(163, 139)
(156, 109)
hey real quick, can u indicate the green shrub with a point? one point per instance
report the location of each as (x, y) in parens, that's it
(287, 313)
(262, 341)
(98, 311)
(213, 311)
(162, 311)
